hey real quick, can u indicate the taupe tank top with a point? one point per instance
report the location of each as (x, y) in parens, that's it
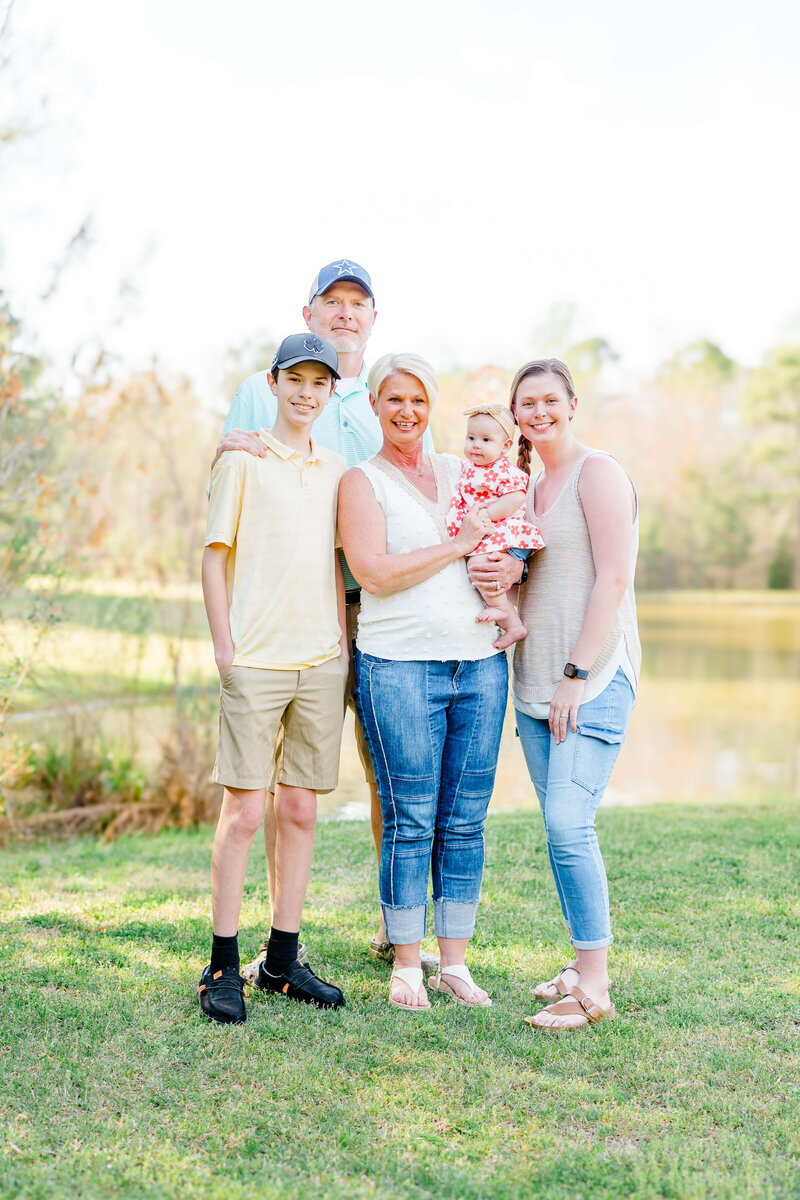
(553, 601)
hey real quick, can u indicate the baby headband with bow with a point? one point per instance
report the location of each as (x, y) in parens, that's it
(501, 414)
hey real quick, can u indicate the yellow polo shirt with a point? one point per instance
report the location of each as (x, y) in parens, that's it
(278, 515)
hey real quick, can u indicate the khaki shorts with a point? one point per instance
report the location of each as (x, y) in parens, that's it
(255, 703)
(361, 741)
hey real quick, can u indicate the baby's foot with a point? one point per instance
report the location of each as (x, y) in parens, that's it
(515, 631)
(498, 615)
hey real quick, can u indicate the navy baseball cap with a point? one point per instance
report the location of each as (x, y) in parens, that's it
(344, 270)
(305, 347)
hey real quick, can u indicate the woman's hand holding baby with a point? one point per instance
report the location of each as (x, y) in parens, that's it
(495, 567)
(474, 528)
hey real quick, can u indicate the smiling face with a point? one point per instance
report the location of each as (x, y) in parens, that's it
(403, 410)
(302, 391)
(486, 440)
(344, 316)
(543, 409)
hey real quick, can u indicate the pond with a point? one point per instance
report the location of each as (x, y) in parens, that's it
(717, 717)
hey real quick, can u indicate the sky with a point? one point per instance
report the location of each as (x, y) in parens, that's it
(485, 163)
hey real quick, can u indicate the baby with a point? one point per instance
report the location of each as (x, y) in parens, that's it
(489, 479)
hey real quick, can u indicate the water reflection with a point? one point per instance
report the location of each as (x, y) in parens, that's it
(717, 718)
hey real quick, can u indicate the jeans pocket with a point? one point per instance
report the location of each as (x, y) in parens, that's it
(602, 725)
(607, 715)
(596, 751)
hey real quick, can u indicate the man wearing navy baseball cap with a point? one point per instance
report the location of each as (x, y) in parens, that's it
(341, 309)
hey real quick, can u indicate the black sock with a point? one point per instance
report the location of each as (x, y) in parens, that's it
(281, 950)
(224, 952)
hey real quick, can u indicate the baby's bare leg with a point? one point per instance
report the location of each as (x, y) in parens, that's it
(501, 610)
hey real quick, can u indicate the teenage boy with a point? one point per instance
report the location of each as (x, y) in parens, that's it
(341, 308)
(274, 594)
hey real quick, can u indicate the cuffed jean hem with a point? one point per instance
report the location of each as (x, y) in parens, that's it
(404, 926)
(600, 944)
(454, 918)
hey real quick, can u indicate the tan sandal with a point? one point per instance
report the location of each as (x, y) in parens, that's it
(556, 982)
(412, 977)
(576, 1003)
(461, 971)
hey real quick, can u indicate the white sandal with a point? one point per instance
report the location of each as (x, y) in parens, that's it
(461, 971)
(412, 977)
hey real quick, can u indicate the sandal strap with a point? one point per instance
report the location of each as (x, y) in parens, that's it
(461, 971)
(410, 976)
(576, 1002)
(558, 982)
(592, 1009)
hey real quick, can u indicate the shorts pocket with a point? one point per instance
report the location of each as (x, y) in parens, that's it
(226, 682)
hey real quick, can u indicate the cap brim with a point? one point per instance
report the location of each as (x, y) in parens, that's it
(318, 362)
(346, 279)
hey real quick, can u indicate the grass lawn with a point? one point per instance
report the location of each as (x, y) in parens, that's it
(113, 1085)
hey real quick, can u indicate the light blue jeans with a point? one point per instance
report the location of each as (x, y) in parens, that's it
(570, 780)
(433, 730)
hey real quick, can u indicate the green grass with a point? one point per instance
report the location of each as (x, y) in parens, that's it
(114, 1086)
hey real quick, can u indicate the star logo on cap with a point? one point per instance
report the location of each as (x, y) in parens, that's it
(344, 267)
(313, 344)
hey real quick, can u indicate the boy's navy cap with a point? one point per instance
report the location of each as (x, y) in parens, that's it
(305, 347)
(344, 270)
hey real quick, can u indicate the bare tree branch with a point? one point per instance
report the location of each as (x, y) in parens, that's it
(80, 243)
(6, 18)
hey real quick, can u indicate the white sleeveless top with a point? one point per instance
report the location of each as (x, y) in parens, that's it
(435, 619)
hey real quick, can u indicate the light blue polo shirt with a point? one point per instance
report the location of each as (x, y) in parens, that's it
(348, 426)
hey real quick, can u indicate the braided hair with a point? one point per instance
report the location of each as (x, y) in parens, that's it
(524, 455)
(539, 366)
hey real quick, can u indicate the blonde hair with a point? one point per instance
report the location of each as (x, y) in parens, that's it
(404, 364)
(539, 366)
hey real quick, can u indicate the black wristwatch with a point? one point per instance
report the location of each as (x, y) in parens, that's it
(525, 568)
(573, 672)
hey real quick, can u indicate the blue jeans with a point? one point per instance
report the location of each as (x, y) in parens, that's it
(570, 780)
(433, 730)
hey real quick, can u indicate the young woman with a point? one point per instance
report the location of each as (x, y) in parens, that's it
(576, 673)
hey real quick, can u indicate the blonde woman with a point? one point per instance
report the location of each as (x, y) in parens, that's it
(431, 689)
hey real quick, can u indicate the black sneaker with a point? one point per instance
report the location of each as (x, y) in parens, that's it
(221, 996)
(299, 982)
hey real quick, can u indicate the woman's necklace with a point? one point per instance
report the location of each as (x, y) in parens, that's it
(410, 470)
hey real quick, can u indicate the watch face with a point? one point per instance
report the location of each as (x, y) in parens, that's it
(573, 672)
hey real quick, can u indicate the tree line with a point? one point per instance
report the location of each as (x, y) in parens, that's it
(112, 482)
